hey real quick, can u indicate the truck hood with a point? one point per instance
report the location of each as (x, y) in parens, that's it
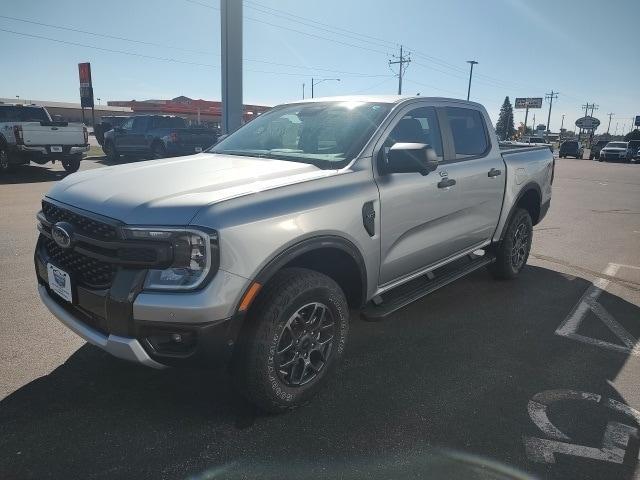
(171, 191)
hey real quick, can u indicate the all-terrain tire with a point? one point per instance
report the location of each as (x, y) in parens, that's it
(513, 251)
(258, 369)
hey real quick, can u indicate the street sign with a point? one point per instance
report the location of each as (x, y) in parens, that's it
(86, 87)
(588, 123)
(529, 102)
(637, 124)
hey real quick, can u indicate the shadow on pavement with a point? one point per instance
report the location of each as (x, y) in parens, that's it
(32, 174)
(455, 370)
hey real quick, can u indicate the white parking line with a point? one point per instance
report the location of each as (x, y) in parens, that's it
(588, 303)
(615, 439)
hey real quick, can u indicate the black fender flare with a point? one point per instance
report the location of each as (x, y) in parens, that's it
(526, 188)
(284, 257)
(307, 245)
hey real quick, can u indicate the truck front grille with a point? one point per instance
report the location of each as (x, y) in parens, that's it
(88, 226)
(86, 270)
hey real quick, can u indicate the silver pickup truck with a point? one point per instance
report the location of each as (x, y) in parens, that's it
(260, 250)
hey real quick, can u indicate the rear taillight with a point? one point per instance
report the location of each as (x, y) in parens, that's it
(17, 133)
(174, 136)
(86, 135)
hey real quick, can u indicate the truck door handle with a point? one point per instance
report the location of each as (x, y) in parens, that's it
(494, 172)
(446, 182)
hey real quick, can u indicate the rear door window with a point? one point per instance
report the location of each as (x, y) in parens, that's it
(468, 131)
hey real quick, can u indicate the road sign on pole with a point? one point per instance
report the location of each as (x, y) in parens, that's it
(530, 102)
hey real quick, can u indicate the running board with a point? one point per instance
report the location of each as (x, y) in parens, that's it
(401, 296)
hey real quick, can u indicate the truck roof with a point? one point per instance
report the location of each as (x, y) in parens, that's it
(382, 99)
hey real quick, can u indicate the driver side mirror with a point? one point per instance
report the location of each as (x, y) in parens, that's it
(410, 158)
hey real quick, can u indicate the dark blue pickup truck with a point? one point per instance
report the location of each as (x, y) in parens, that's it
(158, 136)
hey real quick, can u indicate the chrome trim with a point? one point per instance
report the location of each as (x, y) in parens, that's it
(121, 347)
(419, 273)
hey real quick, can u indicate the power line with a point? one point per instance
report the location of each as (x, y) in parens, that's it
(350, 32)
(103, 35)
(301, 32)
(185, 62)
(312, 24)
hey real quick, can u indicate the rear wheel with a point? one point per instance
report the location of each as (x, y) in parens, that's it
(5, 166)
(513, 251)
(111, 151)
(295, 335)
(71, 165)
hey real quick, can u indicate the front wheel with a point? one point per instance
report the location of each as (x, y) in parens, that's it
(71, 165)
(513, 251)
(295, 335)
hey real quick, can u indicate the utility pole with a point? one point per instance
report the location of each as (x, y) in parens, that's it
(472, 63)
(303, 90)
(616, 132)
(401, 61)
(586, 114)
(550, 97)
(561, 127)
(231, 52)
(609, 126)
(533, 130)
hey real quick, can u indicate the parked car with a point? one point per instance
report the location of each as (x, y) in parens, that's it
(595, 149)
(256, 251)
(27, 134)
(635, 148)
(537, 141)
(157, 135)
(571, 148)
(616, 151)
(106, 124)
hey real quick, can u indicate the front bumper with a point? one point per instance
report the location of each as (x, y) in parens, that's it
(138, 325)
(613, 155)
(177, 149)
(121, 347)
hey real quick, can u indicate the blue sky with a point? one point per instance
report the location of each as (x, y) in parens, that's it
(587, 50)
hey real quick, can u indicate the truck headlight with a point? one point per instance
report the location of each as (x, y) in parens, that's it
(195, 256)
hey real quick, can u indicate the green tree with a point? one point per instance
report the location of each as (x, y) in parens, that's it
(505, 128)
(632, 135)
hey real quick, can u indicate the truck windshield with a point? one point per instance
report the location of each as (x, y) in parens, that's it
(617, 145)
(23, 114)
(325, 134)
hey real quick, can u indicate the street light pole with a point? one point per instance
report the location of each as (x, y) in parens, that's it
(314, 83)
(472, 63)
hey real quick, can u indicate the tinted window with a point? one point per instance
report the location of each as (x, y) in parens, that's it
(417, 126)
(139, 124)
(169, 122)
(468, 131)
(128, 124)
(23, 114)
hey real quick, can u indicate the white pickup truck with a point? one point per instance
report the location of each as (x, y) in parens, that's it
(27, 134)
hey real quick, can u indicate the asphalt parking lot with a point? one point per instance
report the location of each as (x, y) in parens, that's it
(539, 374)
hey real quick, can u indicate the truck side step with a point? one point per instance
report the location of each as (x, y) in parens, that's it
(407, 293)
